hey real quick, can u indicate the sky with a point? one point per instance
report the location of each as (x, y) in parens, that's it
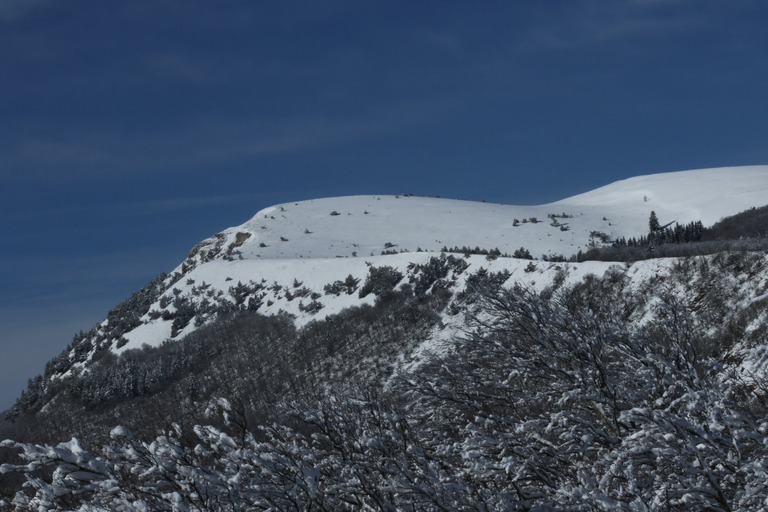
(130, 131)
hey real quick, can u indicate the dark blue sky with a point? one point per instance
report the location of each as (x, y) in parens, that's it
(131, 130)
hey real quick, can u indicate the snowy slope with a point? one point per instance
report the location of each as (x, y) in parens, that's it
(368, 225)
(314, 274)
(705, 194)
(299, 248)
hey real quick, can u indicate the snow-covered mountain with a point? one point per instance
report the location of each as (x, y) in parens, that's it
(318, 242)
(412, 330)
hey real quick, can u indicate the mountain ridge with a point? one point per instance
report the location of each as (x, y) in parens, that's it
(285, 258)
(458, 350)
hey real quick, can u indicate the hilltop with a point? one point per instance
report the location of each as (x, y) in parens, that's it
(368, 225)
(417, 305)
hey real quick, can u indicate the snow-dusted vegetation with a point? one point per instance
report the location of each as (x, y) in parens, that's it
(548, 401)
(403, 353)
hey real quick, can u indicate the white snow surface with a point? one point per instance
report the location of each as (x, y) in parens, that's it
(368, 225)
(704, 194)
(314, 243)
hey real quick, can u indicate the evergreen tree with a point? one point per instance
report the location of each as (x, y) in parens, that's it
(653, 223)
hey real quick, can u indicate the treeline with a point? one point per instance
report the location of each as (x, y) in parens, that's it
(752, 223)
(745, 231)
(630, 254)
(679, 234)
(121, 319)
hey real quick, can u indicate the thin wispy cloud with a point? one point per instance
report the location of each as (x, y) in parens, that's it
(183, 68)
(12, 10)
(84, 270)
(97, 155)
(588, 25)
(138, 208)
(185, 203)
(91, 154)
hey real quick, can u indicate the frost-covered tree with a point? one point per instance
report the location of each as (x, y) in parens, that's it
(548, 402)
